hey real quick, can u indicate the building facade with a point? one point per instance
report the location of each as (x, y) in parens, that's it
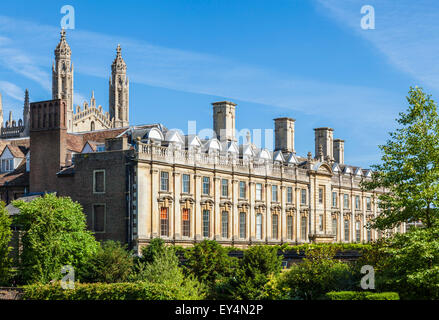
(136, 183)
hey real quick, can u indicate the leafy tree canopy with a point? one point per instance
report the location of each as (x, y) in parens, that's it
(54, 234)
(5, 249)
(409, 169)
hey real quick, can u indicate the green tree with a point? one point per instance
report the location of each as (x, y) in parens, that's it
(5, 249)
(111, 263)
(410, 264)
(209, 262)
(164, 269)
(54, 234)
(409, 167)
(155, 248)
(259, 265)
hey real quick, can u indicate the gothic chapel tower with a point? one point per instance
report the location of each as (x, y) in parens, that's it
(62, 77)
(119, 91)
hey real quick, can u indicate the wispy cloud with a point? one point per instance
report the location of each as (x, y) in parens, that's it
(12, 90)
(406, 32)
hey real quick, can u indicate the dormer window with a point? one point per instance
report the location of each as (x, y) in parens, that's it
(7, 165)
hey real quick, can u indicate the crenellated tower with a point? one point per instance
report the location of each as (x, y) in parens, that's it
(119, 92)
(62, 77)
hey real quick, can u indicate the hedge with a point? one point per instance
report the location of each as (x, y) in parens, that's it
(361, 295)
(110, 291)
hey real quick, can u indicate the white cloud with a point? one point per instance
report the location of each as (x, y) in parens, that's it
(406, 32)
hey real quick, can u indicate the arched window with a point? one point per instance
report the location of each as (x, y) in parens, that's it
(92, 126)
(164, 222)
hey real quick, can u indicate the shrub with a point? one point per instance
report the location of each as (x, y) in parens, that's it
(112, 263)
(361, 295)
(155, 248)
(110, 291)
(209, 262)
(5, 238)
(256, 275)
(54, 234)
(317, 274)
(411, 264)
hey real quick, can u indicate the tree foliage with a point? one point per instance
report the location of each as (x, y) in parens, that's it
(54, 234)
(410, 264)
(5, 249)
(111, 263)
(257, 270)
(409, 167)
(318, 274)
(209, 262)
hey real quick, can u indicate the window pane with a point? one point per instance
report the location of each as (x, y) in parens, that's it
(258, 191)
(224, 187)
(99, 218)
(289, 194)
(334, 226)
(242, 189)
(242, 225)
(320, 195)
(303, 197)
(186, 223)
(225, 224)
(274, 193)
(274, 226)
(186, 183)
(290, 227)
(346, 230)
(164, 181)
(334, 199)
(99, 181)
(303, 228)
(259, 226)
(206, 226)
(164, 222)
(206, 185)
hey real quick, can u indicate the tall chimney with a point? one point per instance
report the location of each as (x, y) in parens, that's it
(339, 151)
(224, 120)
(284, 134)
(324, 137)
(48, 147)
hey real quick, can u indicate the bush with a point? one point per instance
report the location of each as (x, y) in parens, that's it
(361, 295)
(256, 277)
(411, 264)
(317, 274)
(112, 263)
(110, 291)
(209, 262)
(54, 234)
(5, 238)
(151, 251)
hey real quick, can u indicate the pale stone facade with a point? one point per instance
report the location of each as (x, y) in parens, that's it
(185, 194)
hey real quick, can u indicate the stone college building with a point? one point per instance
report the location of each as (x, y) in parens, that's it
(139, 182)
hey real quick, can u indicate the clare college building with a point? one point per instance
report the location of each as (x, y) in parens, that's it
(138, 182)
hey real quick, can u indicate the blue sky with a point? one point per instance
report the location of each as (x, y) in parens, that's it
(309, 60)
